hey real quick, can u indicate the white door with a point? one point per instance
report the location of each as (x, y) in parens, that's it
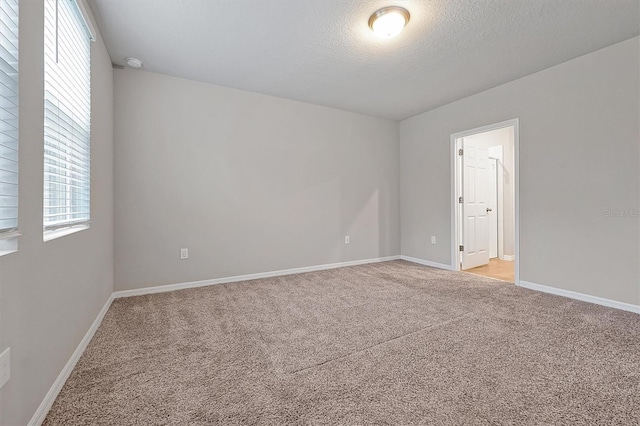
(493, 207)
(475, 229)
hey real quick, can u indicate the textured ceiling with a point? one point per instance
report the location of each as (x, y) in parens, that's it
(322, 51)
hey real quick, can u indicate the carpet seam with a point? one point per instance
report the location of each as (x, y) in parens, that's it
(430, 327)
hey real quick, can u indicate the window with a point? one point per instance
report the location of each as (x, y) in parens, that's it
(8, 125)
(67, 119)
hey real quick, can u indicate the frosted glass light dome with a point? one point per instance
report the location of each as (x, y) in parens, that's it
(388, 22)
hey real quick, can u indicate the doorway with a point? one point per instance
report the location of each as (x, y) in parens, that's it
(485, 201)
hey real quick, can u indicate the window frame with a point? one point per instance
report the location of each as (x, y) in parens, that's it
(9, 145)
(67, 170)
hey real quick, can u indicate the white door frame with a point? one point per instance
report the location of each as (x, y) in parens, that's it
(495, 163)
(456, 186)
(500, 172)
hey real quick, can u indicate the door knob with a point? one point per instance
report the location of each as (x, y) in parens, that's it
(489, 210)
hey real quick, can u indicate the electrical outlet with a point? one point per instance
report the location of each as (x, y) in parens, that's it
(184, 254)
(433, 239)
(347, 240)
(5, 366)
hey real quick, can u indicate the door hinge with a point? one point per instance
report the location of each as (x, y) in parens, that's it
(460, 200)
(461, 248)
(461, 151)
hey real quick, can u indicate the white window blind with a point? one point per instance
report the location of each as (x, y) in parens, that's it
(67, 116)
(8, 118)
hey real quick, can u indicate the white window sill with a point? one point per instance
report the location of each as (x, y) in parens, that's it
(58, 233)
(9, 243)
(6, 252)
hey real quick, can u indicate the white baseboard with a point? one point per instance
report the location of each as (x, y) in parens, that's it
(55, 389)
(225, 280)
(508, 257)
(426, 262)
(581, 296)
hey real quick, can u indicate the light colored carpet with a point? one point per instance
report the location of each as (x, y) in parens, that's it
(388, 343)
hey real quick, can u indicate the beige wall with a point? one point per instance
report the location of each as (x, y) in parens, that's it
(579, 157)
(51, 292)
(249, 183)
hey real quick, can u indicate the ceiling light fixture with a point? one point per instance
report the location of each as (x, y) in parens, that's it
(389, 21)
(134, 62)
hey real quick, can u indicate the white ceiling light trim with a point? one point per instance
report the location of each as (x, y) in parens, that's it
(134, 62)
(388, 22)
